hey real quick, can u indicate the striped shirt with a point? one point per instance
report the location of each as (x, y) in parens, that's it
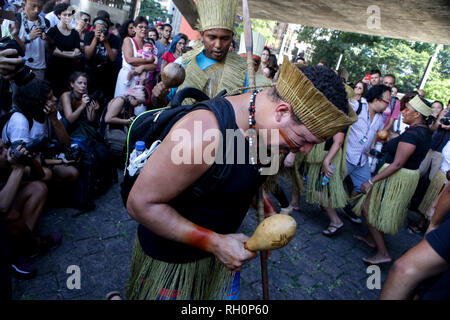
(362, 133)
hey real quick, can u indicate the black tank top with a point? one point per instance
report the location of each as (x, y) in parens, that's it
(221, 208)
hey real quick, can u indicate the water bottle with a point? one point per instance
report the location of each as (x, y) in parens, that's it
(139, 149)
(133, 167)
(325, 179)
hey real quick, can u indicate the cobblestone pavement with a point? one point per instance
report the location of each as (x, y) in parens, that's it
(311, 267)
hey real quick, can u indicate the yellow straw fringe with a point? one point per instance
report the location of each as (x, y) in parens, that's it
(436, 185)
(313, 109)
(205, 279)
(333, 194)
(227, 75)
(217, 14)
(389, 200)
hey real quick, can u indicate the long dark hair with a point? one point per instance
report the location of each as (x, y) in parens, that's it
(364, 87)
(30, 99)
(176, 39)
(123, 32)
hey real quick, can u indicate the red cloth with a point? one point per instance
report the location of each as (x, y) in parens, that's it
(169, 57)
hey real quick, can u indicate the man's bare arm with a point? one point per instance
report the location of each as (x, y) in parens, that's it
(162, 180)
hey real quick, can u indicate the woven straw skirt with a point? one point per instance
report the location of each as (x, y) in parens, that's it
(389, 200)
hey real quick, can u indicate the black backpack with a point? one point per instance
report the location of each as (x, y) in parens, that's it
(154, 125)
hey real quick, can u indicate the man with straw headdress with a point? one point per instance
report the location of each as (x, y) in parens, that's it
(186, 246)
(211, 67)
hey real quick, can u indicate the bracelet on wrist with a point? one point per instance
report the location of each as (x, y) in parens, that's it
(371, 182)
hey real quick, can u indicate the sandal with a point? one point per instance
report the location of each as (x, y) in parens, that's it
(376, 263)
(331, 230)
(417, 229)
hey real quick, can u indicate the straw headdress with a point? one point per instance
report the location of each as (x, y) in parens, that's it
(217, 14)
(420, 106)
(258, 44)
(313, 109)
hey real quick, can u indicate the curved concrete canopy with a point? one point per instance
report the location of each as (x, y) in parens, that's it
(414, 20)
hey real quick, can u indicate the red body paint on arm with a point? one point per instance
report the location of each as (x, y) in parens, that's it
(269, 208)
(200, 238)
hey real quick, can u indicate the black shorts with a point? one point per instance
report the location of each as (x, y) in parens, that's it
(439, 239)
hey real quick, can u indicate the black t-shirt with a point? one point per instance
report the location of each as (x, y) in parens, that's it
(63, 42)
(418, 136)
(329, 142)
(101, 55)
(220, 208)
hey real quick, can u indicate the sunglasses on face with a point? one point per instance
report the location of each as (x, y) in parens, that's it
(86, 20)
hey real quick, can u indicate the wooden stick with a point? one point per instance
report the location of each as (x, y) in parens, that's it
(251, 82)
(249, 44)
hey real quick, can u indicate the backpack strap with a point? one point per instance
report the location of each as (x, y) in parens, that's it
(19, 18)
(359, 107)
(392, 105)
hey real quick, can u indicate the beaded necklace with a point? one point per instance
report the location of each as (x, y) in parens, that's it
(38, 23)
(252, 133)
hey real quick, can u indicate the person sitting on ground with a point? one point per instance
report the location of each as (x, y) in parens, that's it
(22, 200)
(120, 114)
(388, 193)
(36, 117)
(78, 108)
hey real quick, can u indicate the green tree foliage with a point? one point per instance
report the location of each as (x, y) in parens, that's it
(361, 53)
(265, 27)
(153, 11)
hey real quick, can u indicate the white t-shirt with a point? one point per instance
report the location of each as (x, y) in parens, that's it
(36, 48)
(18, 128)
(446, 158)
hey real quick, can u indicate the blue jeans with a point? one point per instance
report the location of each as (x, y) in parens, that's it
(358, 174)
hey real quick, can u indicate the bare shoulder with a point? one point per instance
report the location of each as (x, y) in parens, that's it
(205, 118)
(178, 162)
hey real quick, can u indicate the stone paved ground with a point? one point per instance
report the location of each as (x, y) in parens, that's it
(310, 267)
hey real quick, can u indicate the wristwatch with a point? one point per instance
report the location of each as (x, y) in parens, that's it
(27, 39)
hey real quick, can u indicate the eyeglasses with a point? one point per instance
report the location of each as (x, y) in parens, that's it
(86, 20)
(142, 27)
(385, 101)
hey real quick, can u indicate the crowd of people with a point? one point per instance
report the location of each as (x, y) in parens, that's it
(65, 117)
